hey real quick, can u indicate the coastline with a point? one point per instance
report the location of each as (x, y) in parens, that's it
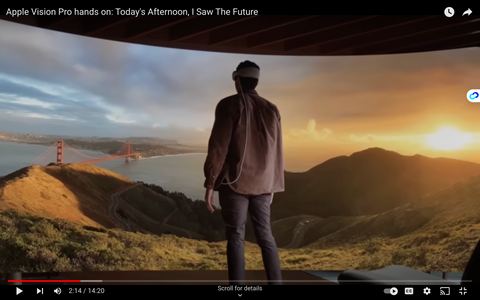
(98, 151)
(192, 188)
(52, 145)
(181, 154)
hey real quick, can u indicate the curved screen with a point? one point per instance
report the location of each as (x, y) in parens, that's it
(104, 143)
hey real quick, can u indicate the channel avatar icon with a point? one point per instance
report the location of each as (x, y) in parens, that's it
(473, 95)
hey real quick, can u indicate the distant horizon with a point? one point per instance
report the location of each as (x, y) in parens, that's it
(296, 169)
(388, 150)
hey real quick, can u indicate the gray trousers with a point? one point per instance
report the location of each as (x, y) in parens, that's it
(235, 210)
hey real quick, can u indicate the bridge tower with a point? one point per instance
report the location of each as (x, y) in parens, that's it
(128, 147)
(60, 147)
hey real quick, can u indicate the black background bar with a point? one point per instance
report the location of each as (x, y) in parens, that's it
(331, 7)
(235, 292)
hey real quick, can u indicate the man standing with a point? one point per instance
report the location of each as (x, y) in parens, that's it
(245, 165)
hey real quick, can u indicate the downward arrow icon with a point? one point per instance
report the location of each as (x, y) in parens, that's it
(239, 295)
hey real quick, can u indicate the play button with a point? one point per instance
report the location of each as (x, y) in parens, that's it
(19, 291)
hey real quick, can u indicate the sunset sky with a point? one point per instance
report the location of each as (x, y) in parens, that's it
(56, 83)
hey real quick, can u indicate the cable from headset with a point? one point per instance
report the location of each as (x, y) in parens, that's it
(247, 122)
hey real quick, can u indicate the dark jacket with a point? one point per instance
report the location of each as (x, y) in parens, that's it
(263, 167)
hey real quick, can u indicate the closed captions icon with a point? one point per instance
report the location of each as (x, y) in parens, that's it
(473, 95)
(408, 291)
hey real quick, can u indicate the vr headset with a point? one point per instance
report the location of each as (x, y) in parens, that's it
(246, 72)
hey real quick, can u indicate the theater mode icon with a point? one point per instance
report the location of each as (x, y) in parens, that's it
(473, 95)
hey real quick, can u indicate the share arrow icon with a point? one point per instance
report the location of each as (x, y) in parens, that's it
(467, 12)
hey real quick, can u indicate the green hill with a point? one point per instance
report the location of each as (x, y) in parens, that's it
(438, 231)
(57, 218)
(367, 182)
(283, 229)
(83, 194)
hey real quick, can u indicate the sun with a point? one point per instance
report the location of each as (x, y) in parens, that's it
(448, 139)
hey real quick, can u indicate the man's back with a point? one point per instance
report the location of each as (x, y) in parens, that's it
(262, 171)
(245, 165)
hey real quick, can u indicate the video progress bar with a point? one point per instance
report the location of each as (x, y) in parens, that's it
(228, 282)
(159, 281)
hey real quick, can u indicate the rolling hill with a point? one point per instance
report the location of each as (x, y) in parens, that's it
(283, 229)
(436, 234)
(82, 194)
(367, 182)
(58, 218)
(438, 231)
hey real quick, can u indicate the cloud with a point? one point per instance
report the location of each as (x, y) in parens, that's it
(119, 89)
(311, 132)
(109, 83)
(119, 119)
(369, 138)
(13, 99)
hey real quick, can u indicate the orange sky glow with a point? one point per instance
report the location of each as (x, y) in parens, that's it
(411, 104)
(56, 83)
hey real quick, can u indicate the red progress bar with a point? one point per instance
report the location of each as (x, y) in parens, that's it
(44, 281)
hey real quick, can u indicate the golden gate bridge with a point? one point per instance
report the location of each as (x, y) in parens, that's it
(58, 153)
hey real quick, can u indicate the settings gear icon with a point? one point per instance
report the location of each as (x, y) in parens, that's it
(426, 291)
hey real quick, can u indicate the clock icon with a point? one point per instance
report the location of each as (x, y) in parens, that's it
(449, 12)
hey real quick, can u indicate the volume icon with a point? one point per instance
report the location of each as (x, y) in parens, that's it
(57, 291)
